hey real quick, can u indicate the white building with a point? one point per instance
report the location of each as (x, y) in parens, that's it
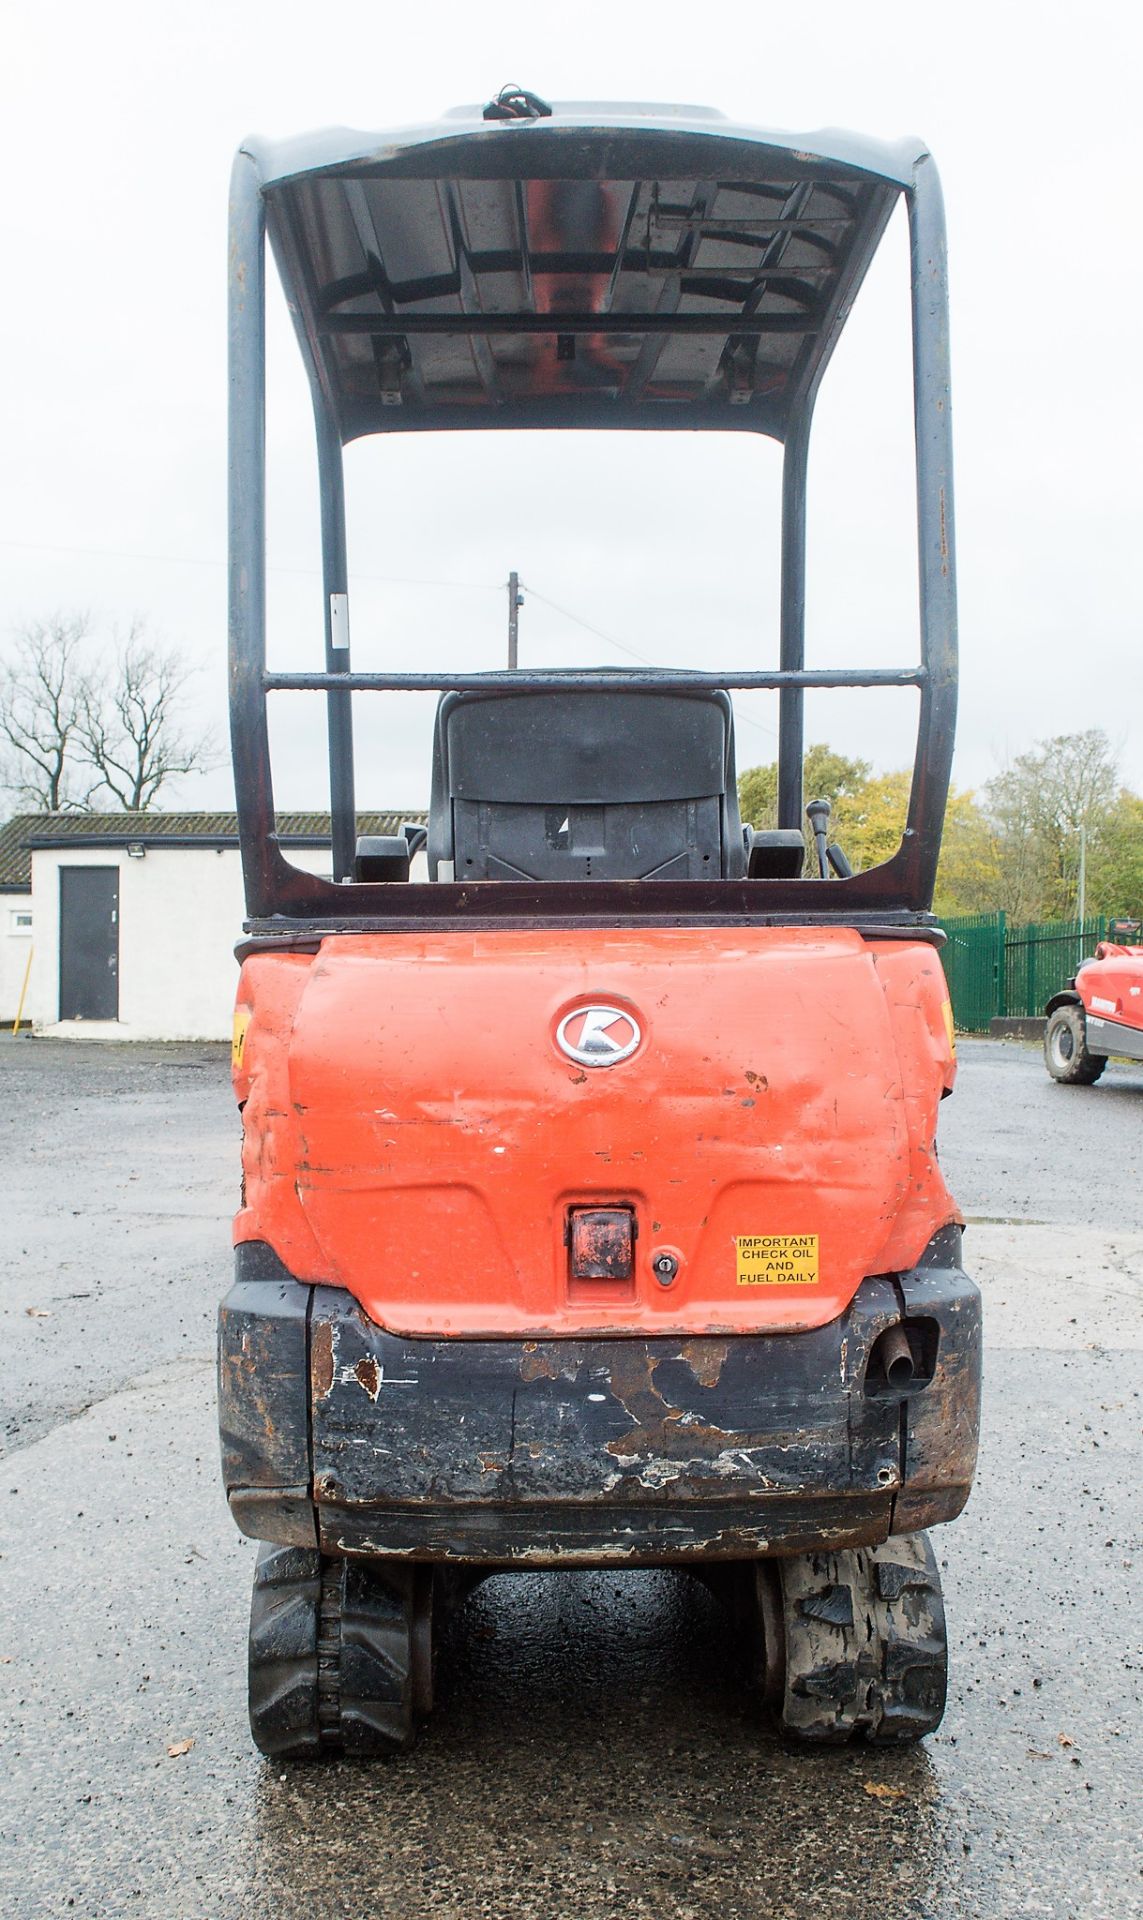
(131, 918)
(15, 918)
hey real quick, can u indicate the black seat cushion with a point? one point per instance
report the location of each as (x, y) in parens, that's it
(563, 785)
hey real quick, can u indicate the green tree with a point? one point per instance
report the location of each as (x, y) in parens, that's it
(868, 821)
(1115, 861)
(826, 775)
(1019, 850)
(1037, 807)
(968, 874)
(869, 824)
(868, 818)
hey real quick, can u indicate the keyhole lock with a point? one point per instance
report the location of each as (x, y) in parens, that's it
(665, 1266)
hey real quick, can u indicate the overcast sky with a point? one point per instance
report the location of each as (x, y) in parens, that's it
(118, 123)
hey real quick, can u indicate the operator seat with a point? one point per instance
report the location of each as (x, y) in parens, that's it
(629, 784)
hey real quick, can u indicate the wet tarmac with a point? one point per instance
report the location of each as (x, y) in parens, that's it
(593, 1750)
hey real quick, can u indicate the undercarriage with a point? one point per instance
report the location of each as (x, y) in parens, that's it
(794, 1473)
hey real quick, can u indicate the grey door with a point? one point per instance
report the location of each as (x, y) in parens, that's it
(89, 943)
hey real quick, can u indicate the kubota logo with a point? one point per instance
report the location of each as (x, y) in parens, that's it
(597, 1036)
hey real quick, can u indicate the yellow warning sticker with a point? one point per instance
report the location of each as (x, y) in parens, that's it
(238, 1042)
(777, 1259)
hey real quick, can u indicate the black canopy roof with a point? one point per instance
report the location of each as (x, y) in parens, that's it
(606, 266)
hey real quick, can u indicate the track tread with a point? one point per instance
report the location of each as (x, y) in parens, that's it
(331, 1656)
(283, 1649)
(874, 1669)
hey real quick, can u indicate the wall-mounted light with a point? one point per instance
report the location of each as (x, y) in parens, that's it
(136, 850)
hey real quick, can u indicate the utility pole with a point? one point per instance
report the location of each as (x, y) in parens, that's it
(515, 602)
(1081, 887)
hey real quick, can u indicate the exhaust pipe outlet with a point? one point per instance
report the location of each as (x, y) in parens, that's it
(892, 1357)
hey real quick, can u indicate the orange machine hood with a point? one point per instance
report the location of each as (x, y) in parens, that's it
(424, 1113)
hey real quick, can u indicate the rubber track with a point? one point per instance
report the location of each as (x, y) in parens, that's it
(866, 1656)
(284, 1613)
(330, 1657)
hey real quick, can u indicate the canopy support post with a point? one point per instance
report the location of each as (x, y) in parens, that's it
(250, 742)
(932, 417)
(792, 700)
(335, 578)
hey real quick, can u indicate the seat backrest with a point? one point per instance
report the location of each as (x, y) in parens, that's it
(569, 785)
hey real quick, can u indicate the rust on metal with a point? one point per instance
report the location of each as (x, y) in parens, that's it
(706, 1359)
(602, 1243)
(321, 1357)
(539, 1363)
(368, 1375)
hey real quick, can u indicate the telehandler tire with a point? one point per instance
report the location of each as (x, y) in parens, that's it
(1066, 1053)
(852, 1645)
(340, 1656)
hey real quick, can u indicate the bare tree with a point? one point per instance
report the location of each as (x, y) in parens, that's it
(44, 694)
(81, 728)
(129, 731)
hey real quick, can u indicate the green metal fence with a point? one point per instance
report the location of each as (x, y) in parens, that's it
(1039, 958)
(973, 958)
(996, 970)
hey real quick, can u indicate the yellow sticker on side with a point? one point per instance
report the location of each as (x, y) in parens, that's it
(777, 1259)
(238, 1040)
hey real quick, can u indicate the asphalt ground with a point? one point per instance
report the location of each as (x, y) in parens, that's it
(594, 1750)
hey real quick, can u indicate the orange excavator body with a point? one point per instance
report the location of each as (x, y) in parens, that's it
(591, 1210)
(415, 1134)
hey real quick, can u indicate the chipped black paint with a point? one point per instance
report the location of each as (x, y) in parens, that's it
(641, 1450)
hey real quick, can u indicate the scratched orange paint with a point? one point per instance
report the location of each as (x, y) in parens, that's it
(414, 1134)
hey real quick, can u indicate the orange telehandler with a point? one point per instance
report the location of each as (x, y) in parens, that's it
(1099, 1012)
(591, 1212)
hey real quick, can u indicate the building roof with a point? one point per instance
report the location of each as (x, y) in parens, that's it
(31, 830)
(15, 860)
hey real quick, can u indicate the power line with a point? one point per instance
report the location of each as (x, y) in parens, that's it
(611, 641)
(384, 579)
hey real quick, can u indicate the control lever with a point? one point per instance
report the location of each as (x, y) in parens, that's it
(817, 813)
